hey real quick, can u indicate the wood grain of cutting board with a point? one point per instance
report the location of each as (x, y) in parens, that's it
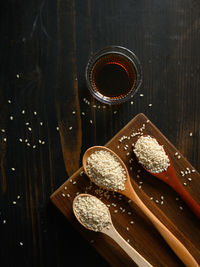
(128, 220)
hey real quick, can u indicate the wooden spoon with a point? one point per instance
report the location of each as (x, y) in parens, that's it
(112, 232)
(169, 177)
(179, 249)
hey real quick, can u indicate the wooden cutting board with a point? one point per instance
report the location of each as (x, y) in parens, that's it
(127, 219)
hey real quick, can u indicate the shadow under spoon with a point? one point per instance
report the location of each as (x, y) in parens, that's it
(179, 249)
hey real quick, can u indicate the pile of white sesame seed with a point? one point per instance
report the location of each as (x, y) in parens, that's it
(151, 154)
(105, 170)
(92, 212)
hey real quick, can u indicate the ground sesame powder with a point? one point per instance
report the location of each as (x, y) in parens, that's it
(105, 170)
(151, 154)
(92, 212)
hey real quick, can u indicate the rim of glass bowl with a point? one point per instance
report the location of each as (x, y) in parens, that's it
(120, 50)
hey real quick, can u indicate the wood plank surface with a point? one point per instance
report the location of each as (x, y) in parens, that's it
(127, 219)
(44, 48)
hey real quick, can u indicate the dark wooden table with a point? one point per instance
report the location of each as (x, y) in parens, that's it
(45, 46)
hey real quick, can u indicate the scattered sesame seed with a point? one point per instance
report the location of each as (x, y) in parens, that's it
(4, 221)
(131, 102)
(4, 139)
(57, 128)
(151, 198)
(41, 123)
(23, 111)
(131, 222)
(27, 123)
(35, 113)
(193, 170)
(115, 211)
(184, 183)
(157, 201)
(18, 197)
(65, 187)
(182, 173)
(63, 195)
(34, 146)
(127, 228)
(13, 169)
(9, 101)
(29, 128)
(177, 198)
(91, 121)
(68, 195)
(70, 128)
(83, 113)
(191, 134)
(115, 112)
(14, 202)
(162, 202)
(141, 95)
(73, 112)
(162, 197)
(21, 243)
(189, 179)
(147, 121)
(176, 154)
(128, 240)
(3, 130)
(150, 105)
(178, 157)
(91, 241)
(17, 76)
(181, 208)
(11, 118)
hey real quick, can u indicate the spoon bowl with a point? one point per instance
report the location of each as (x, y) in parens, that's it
(112, 233)
(179, 249)
(169, 177)
(76, 215)
(93, 149)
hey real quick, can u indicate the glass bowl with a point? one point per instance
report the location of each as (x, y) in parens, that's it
(126, 61)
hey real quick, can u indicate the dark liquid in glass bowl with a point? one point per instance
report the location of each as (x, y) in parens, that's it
(113, 76)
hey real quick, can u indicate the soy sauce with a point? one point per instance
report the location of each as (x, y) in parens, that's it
(113, 76)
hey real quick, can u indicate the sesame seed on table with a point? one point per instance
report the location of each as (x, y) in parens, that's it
(49, 118)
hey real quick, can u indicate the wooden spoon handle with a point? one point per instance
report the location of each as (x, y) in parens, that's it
(194, 206)
(179, 249)
(133, 254)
